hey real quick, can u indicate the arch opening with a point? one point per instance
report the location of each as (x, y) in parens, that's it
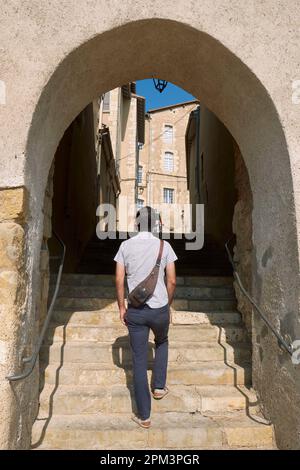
(234, 94)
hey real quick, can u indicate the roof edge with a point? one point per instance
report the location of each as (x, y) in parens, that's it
(177, 105)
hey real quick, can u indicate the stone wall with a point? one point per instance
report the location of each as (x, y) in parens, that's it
(15, 420)
(242, 228)
(18, 333)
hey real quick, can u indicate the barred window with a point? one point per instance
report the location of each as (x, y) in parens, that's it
(168, 134)
(169, 162)
(140, 174)
(168, 195)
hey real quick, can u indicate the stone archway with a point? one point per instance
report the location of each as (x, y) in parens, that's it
(198, 62)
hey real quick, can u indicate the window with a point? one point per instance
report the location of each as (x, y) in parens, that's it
(168, 195)
(106, 101)
(140, 174)
(168, 134)
(140, 203)
(169, 161)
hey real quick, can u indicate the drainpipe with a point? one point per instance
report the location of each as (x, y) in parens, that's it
(99, 148)
(118, 137)
(136, 169)
(149, 163)
(199, 177)
(118, 151)
(99, 141)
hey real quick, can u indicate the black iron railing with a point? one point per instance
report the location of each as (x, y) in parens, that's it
(31, 360)
(288, 347)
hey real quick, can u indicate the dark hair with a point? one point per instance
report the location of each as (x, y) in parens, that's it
(147, 219)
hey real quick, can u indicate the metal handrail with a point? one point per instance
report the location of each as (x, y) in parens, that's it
(288, 347)
(33, 358)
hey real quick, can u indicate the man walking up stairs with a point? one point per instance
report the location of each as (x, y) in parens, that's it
(145, 257)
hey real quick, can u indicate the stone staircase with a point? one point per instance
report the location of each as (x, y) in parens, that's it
(86, 378)
(211, 260)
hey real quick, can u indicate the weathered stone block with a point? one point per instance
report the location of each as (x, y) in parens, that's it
(241, 435)
(13, 204)
(12, 237)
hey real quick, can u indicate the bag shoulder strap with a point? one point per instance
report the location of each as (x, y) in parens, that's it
(159, 253)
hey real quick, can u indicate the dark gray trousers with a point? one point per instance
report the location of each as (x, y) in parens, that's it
(139, 322)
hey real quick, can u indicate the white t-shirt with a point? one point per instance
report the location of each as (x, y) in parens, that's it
(138, 254)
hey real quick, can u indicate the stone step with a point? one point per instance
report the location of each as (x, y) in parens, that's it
(168, 431)
(119, 352)
(95, 303)
(111, 317)
(109, 280)
(205, 281)
(182, 292)
(196, 373)
(87, 377)
(70, 399)
(191, 333)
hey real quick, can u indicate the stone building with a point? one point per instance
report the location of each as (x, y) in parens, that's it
(124, 113)
(210, 168)
(108, 187)
(162, 178)
(225, 54)
(84, 176)
(218, 179)
(74, 187)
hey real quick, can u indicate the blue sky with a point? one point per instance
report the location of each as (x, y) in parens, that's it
(171, 94)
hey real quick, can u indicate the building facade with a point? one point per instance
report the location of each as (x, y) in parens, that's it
(218, 179)
(123, 112)
(210, 169)
(162, 175)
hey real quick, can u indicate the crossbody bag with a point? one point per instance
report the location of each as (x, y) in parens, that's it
(144, 290)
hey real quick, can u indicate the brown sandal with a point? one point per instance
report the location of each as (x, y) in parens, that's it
(144, 423)
(159, 394)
